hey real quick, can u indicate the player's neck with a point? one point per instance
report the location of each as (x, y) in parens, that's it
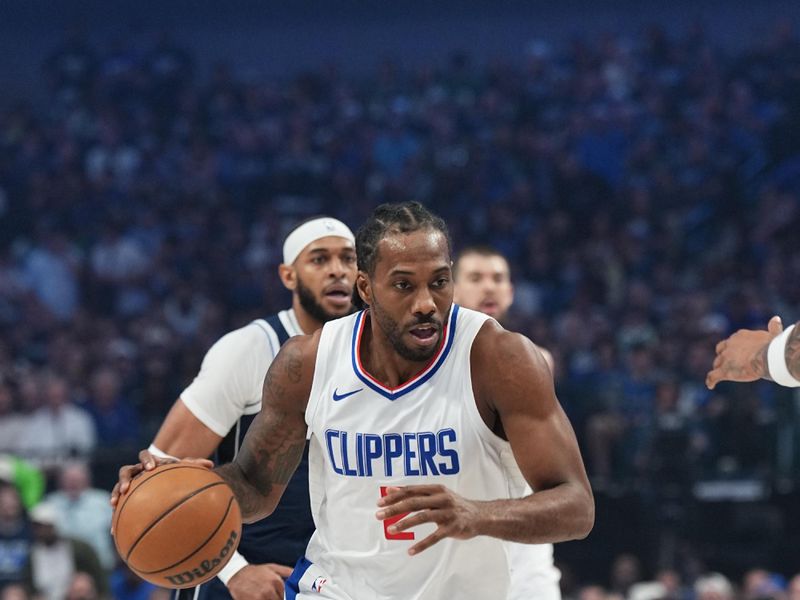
(308, 324)
(380, 359)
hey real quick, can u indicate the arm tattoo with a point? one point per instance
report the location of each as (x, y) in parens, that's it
(272, 386)
(792, 352)
(294, 364)
(262, 465)
(274, 443)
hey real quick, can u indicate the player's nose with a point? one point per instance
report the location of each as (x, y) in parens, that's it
(337, 268)
(423, 302)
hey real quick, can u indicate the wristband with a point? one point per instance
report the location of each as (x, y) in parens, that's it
(236, 563)
(155, 451)
(776, 360)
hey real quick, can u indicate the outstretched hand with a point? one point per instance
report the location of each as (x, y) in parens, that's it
(455, 516)
(743, 356)
(147, 462)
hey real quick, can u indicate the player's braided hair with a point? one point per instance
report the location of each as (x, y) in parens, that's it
(388, 219)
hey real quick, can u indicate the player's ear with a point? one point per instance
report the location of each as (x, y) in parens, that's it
(363, 287)
(288, 276)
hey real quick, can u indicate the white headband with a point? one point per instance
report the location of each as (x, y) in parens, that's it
(311, 232)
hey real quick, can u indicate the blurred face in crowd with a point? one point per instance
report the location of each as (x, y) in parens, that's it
(74, 479)
(56, 392)
(10, 503)
(410, 291)
(322, 278)
(105, 387)
(483, 283)
(14, 591)
(793, 590)
(82, 587)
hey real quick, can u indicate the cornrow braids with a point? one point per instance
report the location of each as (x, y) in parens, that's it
(387, 219)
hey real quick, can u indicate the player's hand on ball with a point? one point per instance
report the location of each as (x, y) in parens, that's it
(259, 582)
(147, 462)
(455, 516)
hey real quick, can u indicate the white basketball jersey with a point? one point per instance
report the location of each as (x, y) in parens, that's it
(366, 436)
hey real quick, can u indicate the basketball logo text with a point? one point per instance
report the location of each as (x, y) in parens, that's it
(206, 566)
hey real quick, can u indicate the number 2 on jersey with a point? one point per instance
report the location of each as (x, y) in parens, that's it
(400, 535)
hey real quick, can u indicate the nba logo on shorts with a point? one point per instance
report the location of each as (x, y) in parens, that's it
(318, 583)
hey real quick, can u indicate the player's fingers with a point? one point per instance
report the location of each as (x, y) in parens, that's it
(281, 570)
(423, 516)
(114, 495)
(395, 494)
(718, 362)
(775, 325)
(412, 504)
(277, 588)
(713, 378)
(721, 346)
(429, 541)
(126, 474)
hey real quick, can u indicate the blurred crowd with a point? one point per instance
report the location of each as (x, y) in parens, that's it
(645, 191)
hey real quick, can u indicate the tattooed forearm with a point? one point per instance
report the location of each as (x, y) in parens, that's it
(250, 501)
(268, 458)
(792, 352)
(275, 441)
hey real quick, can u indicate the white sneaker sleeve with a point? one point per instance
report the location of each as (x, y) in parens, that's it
(230, 379)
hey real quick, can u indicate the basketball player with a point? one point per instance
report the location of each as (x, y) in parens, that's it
(749, 355)
(214, 412)
(483, 283)
(415, 407)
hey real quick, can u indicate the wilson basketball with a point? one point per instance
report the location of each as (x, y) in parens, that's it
(177, 525)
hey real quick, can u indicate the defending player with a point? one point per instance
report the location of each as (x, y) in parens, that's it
(215, 411)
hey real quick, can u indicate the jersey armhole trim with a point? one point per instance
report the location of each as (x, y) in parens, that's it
(203, 416)
(481, 428)
(274, 343)
(319, 377)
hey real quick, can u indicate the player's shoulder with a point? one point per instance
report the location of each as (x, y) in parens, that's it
(295, 364)
(247, 345)
(306, 344)
(252, 332)
(495, 345)
(495, 336)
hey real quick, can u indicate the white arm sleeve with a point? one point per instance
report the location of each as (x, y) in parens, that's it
(230, 380)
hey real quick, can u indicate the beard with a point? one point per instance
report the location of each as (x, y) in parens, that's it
(311, 305)
(394, 333)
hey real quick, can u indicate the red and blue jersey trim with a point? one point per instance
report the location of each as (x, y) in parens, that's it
(393, 393)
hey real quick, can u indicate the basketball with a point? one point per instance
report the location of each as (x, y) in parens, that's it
(178, 525)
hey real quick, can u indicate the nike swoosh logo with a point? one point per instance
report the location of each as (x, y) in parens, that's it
(337, 396)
